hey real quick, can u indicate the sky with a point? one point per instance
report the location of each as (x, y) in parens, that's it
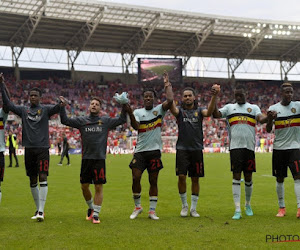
(286, 10)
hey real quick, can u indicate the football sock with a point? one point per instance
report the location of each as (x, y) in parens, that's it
(43, 195)
(248, 191)
(90, 203)
(153, 203)
(97, 210)
(194, 201)
(297, 192)
(183, 198)
(0, 194)
(35, 194)
(236, 191)
(137, 199)
(280, 193)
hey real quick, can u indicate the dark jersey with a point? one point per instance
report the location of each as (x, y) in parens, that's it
(65, 144)
(94, 131)
(190, 132)
(35, 126)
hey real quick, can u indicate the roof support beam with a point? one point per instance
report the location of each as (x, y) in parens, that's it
(23, 35)
(237, 55)
(132, 47)
(78, 42)
(193, 44)
(288, 60)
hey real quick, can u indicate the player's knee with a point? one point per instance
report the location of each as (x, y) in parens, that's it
(280, 179)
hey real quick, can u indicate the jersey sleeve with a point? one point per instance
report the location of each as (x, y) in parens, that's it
(257, 111)
(114, 122)
(71, 122)
(136, 115)
(161, 110)
(224, 111)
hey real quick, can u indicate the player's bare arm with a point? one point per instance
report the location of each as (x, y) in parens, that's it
(271, 115)
(262, 118)
(215, 90)
(63, 101)
(169, 92)
(133, 121)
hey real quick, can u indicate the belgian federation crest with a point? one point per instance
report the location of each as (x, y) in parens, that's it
(196, 114)
(293, 110)
(99, 122)
(155, 113)
(249, 110)
(39, 112)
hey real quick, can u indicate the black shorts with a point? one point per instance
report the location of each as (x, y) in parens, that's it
(149, 160)
(2, 166)
(37, 161)
(282, 159)
(242, 160)
(93, 171)
(191, 162)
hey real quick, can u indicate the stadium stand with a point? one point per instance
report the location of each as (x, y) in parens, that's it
(262, 93)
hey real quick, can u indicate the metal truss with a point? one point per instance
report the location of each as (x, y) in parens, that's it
(236, 56)
(78, 42)
(192, 45)
(131, 48)
(288, 60)
(21, 38)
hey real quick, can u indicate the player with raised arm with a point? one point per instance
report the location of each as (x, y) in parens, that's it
(189, 146)
(147, 155)
(3, 117)
(241, 121)
(285, 115)
(94, 132)
(35, 139)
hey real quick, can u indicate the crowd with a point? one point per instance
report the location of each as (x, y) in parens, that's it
(79, 93)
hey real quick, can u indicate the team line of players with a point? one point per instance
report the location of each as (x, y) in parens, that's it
(241, 118)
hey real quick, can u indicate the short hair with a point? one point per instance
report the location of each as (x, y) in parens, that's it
(149, 90)
(189, 89)
(241, 86)
(37, 90)
(285, 85)
(97, 99)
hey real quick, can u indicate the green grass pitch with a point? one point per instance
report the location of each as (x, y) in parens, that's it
(65, 226)
(159, 70)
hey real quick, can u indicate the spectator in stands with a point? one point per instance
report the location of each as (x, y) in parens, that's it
(35, 132)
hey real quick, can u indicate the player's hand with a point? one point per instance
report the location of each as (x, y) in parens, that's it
(1, 78)
(127, 108)
(166, 79)
(215, 89)
(63, 101)
(271, 115)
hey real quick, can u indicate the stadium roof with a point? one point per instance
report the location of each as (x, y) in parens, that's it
(107, 27)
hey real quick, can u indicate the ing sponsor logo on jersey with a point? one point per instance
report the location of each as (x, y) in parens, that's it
(246, 119)
(287, 121)
(150, 125)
